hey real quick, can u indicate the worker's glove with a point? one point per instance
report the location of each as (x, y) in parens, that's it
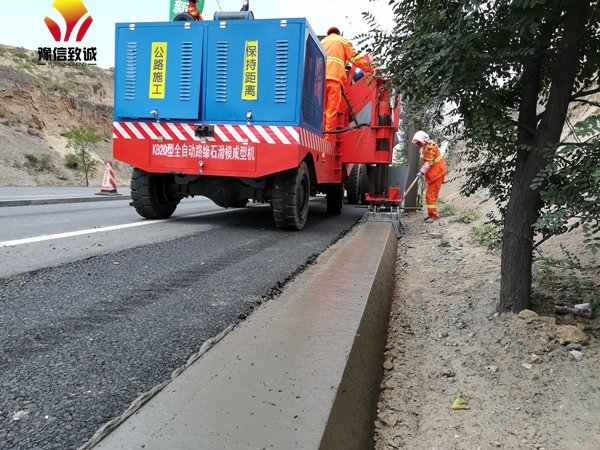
(419, 174)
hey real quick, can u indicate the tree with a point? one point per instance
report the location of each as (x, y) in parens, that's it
(511, 68)
(82, 139)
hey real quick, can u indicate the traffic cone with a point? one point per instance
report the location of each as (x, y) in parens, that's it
(109, 185)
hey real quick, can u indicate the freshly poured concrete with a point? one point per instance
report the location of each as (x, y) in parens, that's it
(301, 372)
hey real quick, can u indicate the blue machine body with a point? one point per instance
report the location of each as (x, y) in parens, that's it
(266, 72)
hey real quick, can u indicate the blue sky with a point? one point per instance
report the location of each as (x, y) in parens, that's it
(22, 23)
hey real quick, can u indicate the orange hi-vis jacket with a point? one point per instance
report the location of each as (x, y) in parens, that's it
(434, 166)
(193, 10)
(340, 52)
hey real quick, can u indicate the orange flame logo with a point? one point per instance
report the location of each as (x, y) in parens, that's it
(72, 11)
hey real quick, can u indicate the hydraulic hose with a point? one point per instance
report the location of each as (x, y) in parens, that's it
(360, 125)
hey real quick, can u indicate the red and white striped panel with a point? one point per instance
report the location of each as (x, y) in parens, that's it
(223, 133)
(310, 140)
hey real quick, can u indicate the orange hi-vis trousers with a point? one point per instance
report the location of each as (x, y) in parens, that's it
(431, 196)
(333, 97)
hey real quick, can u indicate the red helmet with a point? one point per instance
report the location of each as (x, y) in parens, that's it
(335, 30)
(420, 136)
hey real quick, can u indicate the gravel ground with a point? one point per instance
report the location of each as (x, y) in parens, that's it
(519, 377)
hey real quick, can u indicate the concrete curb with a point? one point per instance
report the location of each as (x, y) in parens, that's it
(56, 201)
(302, 372)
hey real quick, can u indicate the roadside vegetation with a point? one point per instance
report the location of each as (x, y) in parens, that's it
(82, 139)
(42, 163)
(56, 77)
(509, 71)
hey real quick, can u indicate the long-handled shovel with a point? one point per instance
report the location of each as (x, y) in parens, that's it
(409, 188)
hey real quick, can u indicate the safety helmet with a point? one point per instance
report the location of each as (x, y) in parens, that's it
(335, 30)
(420, 136)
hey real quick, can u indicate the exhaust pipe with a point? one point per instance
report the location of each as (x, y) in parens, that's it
(242, 14)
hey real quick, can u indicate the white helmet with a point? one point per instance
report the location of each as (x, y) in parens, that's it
(420, 136)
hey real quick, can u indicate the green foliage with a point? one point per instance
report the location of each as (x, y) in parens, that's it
(447, 210)
(42, 78)
(544, 272)
(71, 161)
(82, 140)
(86, 70)
(41, 164)
(20, 53)
(568, 275)
(496, 63)
(485, 235)
(571, 184)
(467, 215)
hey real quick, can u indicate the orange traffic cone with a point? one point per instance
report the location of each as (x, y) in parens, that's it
(109, 185)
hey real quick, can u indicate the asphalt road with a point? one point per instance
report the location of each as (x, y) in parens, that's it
(90, 321)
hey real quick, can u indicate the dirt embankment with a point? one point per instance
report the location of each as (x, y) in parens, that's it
(38, 103)
(530, 381)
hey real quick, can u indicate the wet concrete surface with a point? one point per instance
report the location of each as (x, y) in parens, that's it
(302, 372)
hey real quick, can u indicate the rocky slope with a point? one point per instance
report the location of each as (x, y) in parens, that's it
(38, 103)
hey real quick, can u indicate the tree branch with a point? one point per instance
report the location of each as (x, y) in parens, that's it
(587, 102)
(584, 93)
(524, 126)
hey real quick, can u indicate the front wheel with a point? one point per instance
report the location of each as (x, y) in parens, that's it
(151, 194)
(291, 192)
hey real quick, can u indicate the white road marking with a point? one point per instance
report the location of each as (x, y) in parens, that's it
(50, 237)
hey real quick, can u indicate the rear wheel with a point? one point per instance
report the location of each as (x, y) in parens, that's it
(151, 194)
(291, 192)
(335, 198)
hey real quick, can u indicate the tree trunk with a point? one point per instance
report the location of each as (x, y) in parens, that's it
(524, 203)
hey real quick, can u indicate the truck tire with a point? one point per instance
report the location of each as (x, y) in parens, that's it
(151, 194)
(335, 198)
(291, 192)
(357, 184)
(184, 17)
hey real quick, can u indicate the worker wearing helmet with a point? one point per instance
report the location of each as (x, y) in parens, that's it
(340, 52)
(434, 170)
(196, 10)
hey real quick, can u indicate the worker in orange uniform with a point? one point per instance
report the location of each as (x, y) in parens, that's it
(340, 52)
(196, 11)
(434, 170)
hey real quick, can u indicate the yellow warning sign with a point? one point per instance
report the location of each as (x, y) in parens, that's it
(158, 69)
(250, 84)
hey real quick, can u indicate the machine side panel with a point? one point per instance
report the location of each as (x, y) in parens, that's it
(157, 70)
(253, 67)
(313, 84)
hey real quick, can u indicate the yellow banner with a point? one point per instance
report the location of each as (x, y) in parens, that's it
(250, 84)
(158, 69)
